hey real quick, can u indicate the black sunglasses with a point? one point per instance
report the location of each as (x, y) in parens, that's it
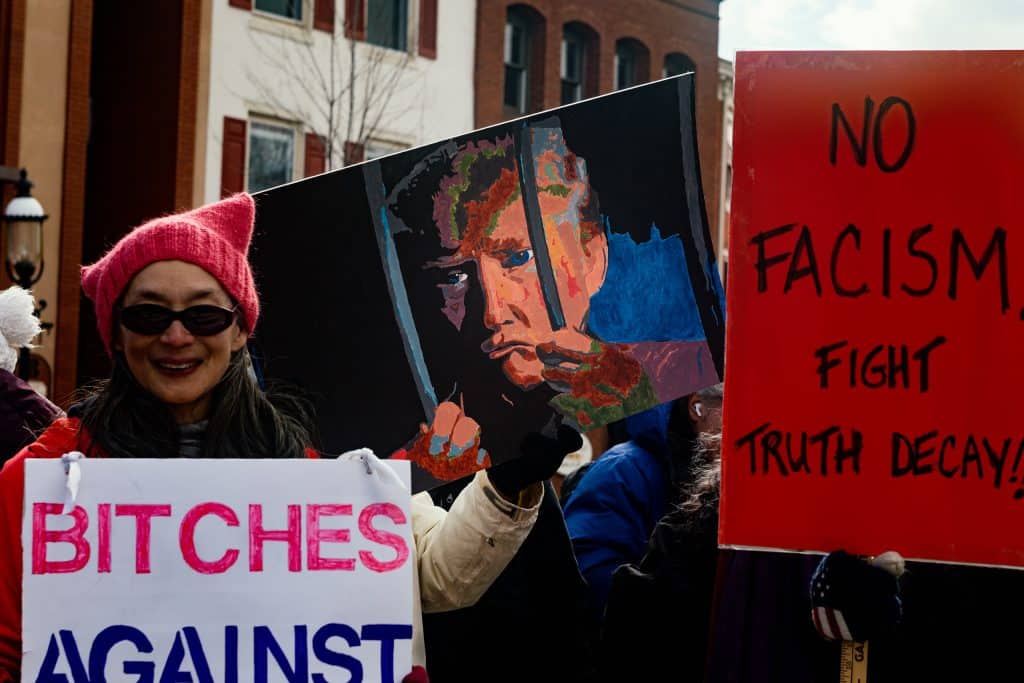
(202, 321)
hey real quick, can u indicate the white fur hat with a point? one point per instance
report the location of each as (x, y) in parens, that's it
(18, 324)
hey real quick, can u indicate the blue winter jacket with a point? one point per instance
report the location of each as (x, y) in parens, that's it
(616, 505)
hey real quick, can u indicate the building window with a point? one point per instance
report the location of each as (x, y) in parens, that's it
(289, 9)
(631, 60)
(271, 156)
(387, 23)
(728, 184)
(376, 149)
(517, 47)
(574, 55)
(677, 63)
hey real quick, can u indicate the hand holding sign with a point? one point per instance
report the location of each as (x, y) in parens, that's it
(852, 599)
(541, 456)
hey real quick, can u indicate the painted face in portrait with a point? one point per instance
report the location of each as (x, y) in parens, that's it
(481, 216)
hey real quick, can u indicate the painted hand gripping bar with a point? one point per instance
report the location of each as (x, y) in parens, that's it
(442, 302)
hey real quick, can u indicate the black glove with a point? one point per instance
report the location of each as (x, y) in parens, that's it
(539, 460)
(852, 599)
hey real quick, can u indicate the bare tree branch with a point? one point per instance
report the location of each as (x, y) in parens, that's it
(342, 90)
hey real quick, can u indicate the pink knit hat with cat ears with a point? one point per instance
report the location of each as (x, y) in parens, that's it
(214, 237)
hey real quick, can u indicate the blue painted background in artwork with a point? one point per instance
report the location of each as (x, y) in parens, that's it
(647, 295)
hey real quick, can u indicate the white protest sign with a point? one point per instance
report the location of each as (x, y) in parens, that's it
(217, 570)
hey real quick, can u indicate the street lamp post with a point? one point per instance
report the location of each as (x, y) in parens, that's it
(23, 237)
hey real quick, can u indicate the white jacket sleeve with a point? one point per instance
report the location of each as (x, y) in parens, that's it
(462, 551)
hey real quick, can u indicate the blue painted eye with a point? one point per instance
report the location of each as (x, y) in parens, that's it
(455, 277)
(518, 258)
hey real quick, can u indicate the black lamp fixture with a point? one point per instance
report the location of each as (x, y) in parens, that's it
(23, 241)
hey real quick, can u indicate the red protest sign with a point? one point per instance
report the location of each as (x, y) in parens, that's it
(876, 305)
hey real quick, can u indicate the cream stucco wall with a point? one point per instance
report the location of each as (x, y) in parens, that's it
(433, 101)
(41, 144)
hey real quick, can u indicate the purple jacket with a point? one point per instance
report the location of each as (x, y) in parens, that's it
(24, 414)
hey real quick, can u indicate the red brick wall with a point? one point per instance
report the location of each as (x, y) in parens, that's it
(188, 88)
(141, 141)
(76, 139)
(664, 26)
(12, 49)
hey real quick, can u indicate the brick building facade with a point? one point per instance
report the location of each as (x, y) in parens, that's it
(117, 108)
(522, 48)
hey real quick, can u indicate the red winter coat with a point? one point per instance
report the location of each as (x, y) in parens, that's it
(66, 434)
(24, 413)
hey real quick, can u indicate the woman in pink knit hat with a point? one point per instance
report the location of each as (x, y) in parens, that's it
(175, 303)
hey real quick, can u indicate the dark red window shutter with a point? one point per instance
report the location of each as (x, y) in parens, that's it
(355, 19)
(232, 159)
(323, 15)
(354, 152)
(316, 155)
(428, 29)
(241, 4)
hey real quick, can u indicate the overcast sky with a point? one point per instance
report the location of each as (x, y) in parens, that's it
(870, 25)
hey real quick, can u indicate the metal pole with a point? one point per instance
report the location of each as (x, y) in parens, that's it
(535, 222)
(25, 363)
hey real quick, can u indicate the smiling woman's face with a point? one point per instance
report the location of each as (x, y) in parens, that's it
(177, 367)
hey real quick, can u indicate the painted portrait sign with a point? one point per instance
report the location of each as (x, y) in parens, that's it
(442, 302)
(875, 299)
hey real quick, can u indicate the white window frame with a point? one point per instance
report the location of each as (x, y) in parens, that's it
(634, 57)
(298, 148)
(664, 65)
(570, 35)
(409, 36)
(377, 147)
(283, 27)
(511, 23)
(305, 18)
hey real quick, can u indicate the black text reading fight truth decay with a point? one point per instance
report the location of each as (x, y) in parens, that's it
(929, 261)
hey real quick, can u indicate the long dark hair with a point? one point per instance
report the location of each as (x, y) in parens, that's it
(684, 442)
(126, 421)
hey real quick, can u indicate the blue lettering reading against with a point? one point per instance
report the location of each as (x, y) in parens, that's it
(294, 665)
(47, 673)
(98, 651)
(264, 642)
(173, 673)
(387, 634)
(105, 642)
(333, 657)
(230, 654)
